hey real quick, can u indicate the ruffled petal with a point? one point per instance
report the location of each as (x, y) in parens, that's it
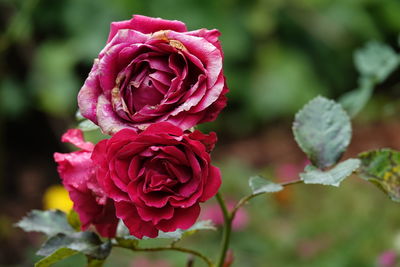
(137, 227)
(146, 25)
(183, 219)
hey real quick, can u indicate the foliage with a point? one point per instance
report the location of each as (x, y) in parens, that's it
(260, 185)
(323, 131)
(334, 176)
(375, 62)
(382, 168)
(47, 222)
(65, 240)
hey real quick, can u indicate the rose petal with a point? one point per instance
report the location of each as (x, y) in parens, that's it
(75, 137)
(89, 93)
(74, 168)
(211, 186)
(182, 219)
(137, 227)
(204, 50)
(163, 127)
(108, 120)
(146, 25)
(154, 214)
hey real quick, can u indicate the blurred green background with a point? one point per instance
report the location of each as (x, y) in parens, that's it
(278, 55)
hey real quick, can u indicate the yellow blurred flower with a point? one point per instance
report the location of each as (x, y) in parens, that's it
(56, 197)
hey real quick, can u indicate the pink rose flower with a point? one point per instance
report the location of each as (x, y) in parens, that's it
(154, 70)
(79, 178)
(157, 177)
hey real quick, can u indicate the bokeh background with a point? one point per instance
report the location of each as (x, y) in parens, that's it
(278, 55)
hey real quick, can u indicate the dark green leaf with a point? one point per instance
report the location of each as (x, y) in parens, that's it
(94, 262)
(86, 242)
(50, 222)
(260, 185)
(334, 176)
(322, 129)
(56, 256)
(382, 168)
(376, 60)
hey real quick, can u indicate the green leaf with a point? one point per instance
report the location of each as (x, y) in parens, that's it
(50, 222)
(376, 60)
(354, 101)
(179, 234)
(87, 125)
(334, 176)
(382, 168)
(123, 232)
(322, 129)
(94, 262)
(260, 185)
(73, 220)
(56, 256)
(86, 242)
(78, 116)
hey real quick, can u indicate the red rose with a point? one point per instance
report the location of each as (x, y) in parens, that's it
(157, 177)
(78, 175)
(154, 70)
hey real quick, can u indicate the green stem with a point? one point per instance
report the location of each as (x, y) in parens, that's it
(226, 231)
(229, 216)
(246, 199)
(180, 249)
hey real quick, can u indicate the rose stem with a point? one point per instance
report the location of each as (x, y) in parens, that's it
(226, 231)
(180, 249)
(229, 216)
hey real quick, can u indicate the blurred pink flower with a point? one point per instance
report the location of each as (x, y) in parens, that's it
(213, 212)
(289, 171)
(387, 259)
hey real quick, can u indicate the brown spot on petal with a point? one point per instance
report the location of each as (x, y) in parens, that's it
(116, 100)
(160, 35)
(119, 79)
(177, 44)
(115, 95)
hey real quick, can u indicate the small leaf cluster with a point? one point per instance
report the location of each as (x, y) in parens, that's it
(375, 62)
(65, 239)
(322, 129)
